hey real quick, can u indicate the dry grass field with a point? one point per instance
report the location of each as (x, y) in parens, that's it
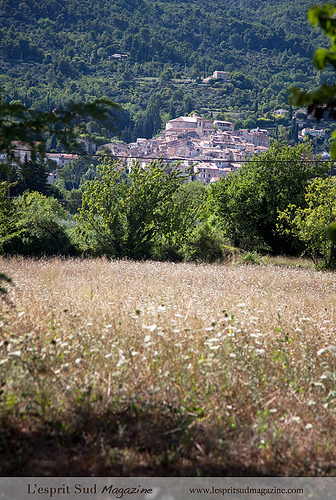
(157, 369)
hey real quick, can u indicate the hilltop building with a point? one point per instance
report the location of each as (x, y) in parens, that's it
(222, 75)
(195, 125)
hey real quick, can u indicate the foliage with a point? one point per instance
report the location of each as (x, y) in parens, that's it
(310, 223)
(7, 212)
(206, 243)
(134, 214)
(74, 171)
(34, 226)
(248, 202)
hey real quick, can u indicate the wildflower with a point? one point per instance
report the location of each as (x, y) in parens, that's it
(330, 348)
(151, 328)
(15, 353)
(122, 358)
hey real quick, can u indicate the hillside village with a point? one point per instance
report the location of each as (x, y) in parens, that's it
(214, 149)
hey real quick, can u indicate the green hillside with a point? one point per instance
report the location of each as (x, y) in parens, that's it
(55, 51)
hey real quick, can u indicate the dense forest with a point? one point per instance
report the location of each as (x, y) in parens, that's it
(151, 56)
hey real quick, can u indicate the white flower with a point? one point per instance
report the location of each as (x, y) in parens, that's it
(122, 358)
(151, 328)
(15, 353)
(330, 348)
(78, 360)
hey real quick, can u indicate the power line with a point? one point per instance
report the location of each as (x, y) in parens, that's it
(213, 160)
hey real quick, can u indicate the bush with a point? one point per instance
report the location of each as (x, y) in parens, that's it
(251, 258)
(37, 228)
(206, 244)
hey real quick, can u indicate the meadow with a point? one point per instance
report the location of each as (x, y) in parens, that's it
(121, 368)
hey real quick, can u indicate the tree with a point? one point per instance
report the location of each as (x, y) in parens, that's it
(33, 176)
(248, 202)
(310, 224)
(135, 215)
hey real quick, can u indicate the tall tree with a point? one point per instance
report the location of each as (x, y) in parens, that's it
(131, 215)
(248, 202)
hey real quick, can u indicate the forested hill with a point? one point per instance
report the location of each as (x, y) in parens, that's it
(54, 51)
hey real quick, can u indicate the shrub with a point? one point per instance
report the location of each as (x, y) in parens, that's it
(205, 244)
(37, 227)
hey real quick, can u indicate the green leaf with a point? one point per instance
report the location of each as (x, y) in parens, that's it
(320, 58)
(313, 15)
(299, 97)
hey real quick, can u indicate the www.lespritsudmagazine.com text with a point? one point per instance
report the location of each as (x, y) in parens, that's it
(78, 489)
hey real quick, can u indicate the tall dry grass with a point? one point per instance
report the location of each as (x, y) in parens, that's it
(124, 368)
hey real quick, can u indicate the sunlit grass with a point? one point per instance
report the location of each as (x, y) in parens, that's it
(124, 368)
